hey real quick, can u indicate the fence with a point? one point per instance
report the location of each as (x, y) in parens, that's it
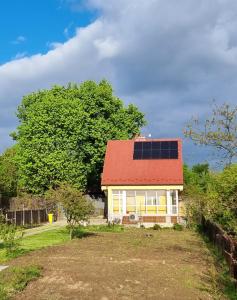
(27, 217)
(226, 244)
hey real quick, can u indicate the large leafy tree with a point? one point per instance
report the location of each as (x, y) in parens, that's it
(8, 173)
(63, 134)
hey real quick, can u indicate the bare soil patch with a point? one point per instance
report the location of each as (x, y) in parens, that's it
(129, 265)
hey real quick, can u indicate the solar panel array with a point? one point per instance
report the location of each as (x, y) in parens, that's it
(156, 150)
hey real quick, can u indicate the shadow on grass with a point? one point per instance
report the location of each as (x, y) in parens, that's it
(79, 234)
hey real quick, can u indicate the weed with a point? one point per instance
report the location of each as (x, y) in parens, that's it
(222, 282)
(178, 227)
(157, 227)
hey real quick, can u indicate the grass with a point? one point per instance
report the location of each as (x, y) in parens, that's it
(35, 242)
(102, 228)
(53, 237)
(14, 280)
(222, 282)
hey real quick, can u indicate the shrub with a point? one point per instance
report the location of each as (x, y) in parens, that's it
(77, 207)
(178, 227)
(157, 227)
(10, 235)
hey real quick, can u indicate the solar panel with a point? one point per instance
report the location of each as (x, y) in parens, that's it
(156, 150)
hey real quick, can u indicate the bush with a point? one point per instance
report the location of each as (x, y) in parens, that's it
(178, 227)
(77, 207)
(157, 227)
(10, 236)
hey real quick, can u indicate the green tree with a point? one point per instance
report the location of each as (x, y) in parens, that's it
(76, 207)
(225, 197)
(218, 131)
(8, 173)
(198, 182)
(63, 133)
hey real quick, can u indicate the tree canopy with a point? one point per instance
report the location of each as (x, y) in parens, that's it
(211, 194)
(8, 173)
(218, 131)
(63, 133)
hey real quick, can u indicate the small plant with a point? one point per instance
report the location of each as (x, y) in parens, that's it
(178, 227)
(157, 227)
(142, 226)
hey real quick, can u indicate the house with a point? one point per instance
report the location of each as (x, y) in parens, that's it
(143, 181)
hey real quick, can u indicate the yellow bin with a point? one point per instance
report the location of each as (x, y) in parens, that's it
(50, 217)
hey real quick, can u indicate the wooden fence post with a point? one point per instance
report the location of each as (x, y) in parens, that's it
(31, 218)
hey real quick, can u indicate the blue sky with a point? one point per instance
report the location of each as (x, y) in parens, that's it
(170, 58)
(30, 27)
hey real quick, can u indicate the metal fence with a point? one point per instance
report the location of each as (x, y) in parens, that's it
(27, 217)
(225, 243)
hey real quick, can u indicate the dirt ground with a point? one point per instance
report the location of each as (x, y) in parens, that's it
(129, 265)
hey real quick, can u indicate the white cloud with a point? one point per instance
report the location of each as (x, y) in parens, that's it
(171, 58)
(20, 39)
(67, 30)
(19, 55)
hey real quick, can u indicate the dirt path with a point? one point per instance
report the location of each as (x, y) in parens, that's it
(130, 265)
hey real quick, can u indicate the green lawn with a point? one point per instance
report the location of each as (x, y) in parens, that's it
(37, 241)
(14, 280)
(53, 237)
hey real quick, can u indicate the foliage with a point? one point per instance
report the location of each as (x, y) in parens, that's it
(8, 173)
(222, 282)
(211, 194)
(63, 133)
(218, 131)
(28, 201)
(14, 280)
(10, 235)
(178, 227)
(76, 207)
(197, 182)
(225, 197)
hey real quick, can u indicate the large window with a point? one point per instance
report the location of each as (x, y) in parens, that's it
(143, 202)
(173, 202)
(117, 201)
(131, 205)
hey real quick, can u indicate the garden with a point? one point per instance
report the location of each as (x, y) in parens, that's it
(115, 261)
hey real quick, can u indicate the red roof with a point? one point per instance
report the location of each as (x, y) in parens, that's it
(121, 169)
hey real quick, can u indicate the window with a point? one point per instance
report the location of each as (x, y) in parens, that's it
(131, 202)
(173, 202)
(151, 198)
(117, 198)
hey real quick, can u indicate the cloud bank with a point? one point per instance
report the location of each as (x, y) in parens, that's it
(171, 58)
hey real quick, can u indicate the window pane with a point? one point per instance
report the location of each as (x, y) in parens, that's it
(151, 198)
(173, 197)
